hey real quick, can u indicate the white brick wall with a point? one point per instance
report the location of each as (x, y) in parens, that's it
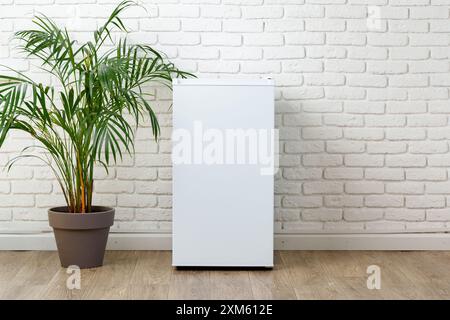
(362, 112)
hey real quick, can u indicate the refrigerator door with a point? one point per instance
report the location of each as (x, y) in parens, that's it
(223, 157)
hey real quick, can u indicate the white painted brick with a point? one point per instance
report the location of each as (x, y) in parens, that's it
(206, 53)
(404, 26)
(160, 24)
(303, 66)
(304, 147)
(431, 12)
(302, 201)
(425, 201)
(368, 53)
(178, 38)
(400, 214)
(427, 147)
(202, 25)
(439, 26)
(378, 67)
(343, 120)
(302, 226)
(5, 214)
(302, 173)
(345, 146)
(320, 187)
(427, 174)
(221, 67)
(438, 214)
(405, 134)
(263, 12)
(24, 200)
(384, 226)
(324, 79)
(267, 39)
(389, 40)
(348, 66)
(153, 214)
(221, 39)
(437, 187)
(261, 67)
(364, 133)
(334, 93)
(343, 201)
(406, 107)
(364, 187)
(408, 54)
(405, 187)
(177, 11)
(5, 187)
(408, 81)
(386, 147)
(385, 120)
(406, 160)
(408, 2)
(364, 107)
(322, 106)
(136, 201)
(322, 160)
(428, 94)
(325, 133)
(329, 52)
(383, 201)
(287, 215)
(359, 25)
(439, 160)
(439, 133)
(112, 186)
(343, 173)
(343, 226)
(285, 187)
(438, 107)
(31, 187)
(302, 120)
(363, 160)
(305, 38)
(384, 174)
(439, 80)
(425, 40)
(363, 214)
(282, 25)
(428, 66)
(287, 52)
(309, 11)
(243, 25)
(325, 25)
(240, 53)
(303, 93)
(324, 214)
(339, 38)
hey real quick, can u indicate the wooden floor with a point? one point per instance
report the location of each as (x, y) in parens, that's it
(296, 275)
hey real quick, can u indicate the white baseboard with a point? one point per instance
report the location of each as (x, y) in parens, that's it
(147, 241)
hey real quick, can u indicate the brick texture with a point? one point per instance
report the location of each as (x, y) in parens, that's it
(361, 104)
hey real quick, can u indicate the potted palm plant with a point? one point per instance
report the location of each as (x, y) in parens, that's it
(81, 122)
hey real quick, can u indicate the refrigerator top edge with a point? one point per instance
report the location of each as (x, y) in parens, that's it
(223, 82)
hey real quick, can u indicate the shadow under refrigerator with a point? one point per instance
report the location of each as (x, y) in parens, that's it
(223, 156)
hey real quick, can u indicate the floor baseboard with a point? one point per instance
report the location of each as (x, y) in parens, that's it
(148, 241)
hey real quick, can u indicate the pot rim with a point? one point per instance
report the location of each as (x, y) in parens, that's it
(63, 210)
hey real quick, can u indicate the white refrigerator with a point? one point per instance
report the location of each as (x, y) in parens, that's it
(223, 157)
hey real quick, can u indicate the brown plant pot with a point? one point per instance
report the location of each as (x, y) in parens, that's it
(81, 237)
